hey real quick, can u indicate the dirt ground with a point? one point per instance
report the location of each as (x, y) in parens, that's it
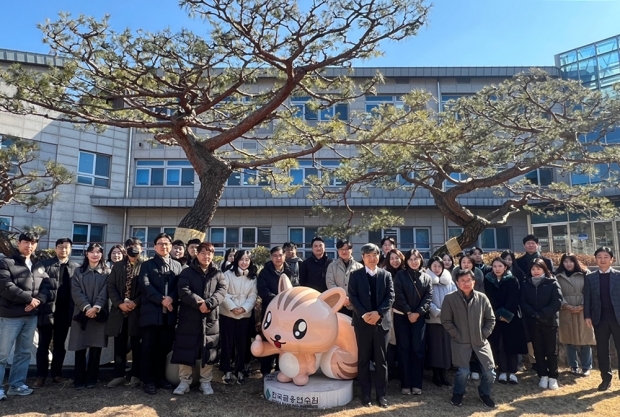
(577, 396)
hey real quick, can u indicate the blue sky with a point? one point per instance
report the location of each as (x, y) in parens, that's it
(459, 32)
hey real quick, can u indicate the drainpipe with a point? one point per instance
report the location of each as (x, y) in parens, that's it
(129, 156)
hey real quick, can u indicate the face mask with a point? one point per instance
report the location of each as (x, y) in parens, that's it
(133, 252)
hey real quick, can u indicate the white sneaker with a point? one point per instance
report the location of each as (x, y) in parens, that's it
(512, 379)
(206, 389)
(183, 388)
(2, 395)
(553, 384)
(503, 378)
(475, 376)
(544, 382)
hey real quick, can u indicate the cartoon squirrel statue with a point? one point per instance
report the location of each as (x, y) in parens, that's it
(304, 327)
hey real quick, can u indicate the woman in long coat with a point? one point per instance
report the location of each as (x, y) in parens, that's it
(508, 337)
(202, 288)
(90, 295)
(413, 290)
(574, 332)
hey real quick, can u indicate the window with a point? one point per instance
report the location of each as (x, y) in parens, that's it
(406, 238)
(85, 233)
(374, 102)
(305, 169)
(5, 222)
(147, 235)
(541, 176)
(324, 113)
(239, 237)
(447, 100)
(94, 169)
(457, 176)
(490, 239)
(164, 173)
(248, 177)
(302, 237)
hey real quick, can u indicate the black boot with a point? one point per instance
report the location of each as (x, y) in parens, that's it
(436, 377)
(443, 379)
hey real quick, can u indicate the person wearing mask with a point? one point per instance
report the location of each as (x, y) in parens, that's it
(178, 252)
(313, 269)
(371, 293)
(229, 257)
(476, 254)
(157, 284)
(192, 245)
(267, 285)
(508, 337)
(116, 254)
(601, 308)
(413, 294)
(541, 300)
(235, 315)
(201, 289)
(468, 317)
(387, 244)
(124, 321)
(90, 298)
(293, 261)
(576, 336)
(338, 272)
(532, 251)
(24, 287)
(55, 316)
(438, 340)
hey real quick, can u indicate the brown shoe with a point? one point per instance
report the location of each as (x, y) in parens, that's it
(59, 380)
(39, 383)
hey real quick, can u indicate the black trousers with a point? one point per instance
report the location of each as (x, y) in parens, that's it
(411, 344)
(123, 344)
(233, 335)
(604, 331)
(86, 374)
(544, 342)
(58, 332)
(156, 344)
(372, 344)
(506, 362)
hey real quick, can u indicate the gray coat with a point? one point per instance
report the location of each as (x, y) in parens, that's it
(469, 325)
(89, 288)
(337, 274)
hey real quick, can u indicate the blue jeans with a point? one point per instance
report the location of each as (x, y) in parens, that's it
(585, 356)
(18, 332)
(460, 381)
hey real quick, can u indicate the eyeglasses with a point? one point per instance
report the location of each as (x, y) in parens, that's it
(164, 244)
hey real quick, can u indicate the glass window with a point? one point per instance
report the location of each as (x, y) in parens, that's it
(587, 70)
(454, 232)
(164, 173)
(300, 175)
(244, 237)
(568, 57)
(302, 237)
(94, 169)
(248, 236)
(606, 46)
(234, 179)
(217, 236)
(308, 112)
(586, 52)
(541, 176)
(608, 64)
(173, 177)
(83, 234)
(5, 223)
(157, 176)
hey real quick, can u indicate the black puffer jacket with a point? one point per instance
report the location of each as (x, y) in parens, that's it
(541, 304)
(267, 282)
(312, 272)
(47, 311)
(198, 334)
(18, 286)
(152, 282)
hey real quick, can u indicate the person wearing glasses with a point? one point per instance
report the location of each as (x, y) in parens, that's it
(157, 282)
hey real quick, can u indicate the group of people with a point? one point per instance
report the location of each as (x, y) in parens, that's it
(418, 314)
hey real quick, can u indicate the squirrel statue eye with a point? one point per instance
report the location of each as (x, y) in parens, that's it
(267, 321)
(300, 328)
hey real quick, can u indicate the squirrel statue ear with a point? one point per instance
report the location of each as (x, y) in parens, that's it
(334, 297)
(284, 283)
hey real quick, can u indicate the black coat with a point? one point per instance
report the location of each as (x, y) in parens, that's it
(312, 272)
(523, 264)
(541, 304)
(19, 285)
(152, 286)
(359, 295)
(198, 334)
(117, 283)
(413, 294)
(47, 312)
(267, 283)
(505, 297)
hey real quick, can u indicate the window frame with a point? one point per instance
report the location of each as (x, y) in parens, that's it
(325, 114)
(148, 247)
(222, 245)
(93, 176)
(79, 247)
(304, 248)
(167, 166)
(4, 222)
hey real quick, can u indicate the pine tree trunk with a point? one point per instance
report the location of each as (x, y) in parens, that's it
(467, 239)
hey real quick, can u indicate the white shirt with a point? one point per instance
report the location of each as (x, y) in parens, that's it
(371, 272)
(29, 263)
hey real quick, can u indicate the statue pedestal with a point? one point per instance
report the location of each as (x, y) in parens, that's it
(320, 392)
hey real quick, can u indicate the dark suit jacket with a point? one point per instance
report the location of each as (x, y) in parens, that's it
(359, 296)
(592, 295)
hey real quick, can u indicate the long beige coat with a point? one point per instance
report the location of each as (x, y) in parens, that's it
(469, 325)
(573, 329)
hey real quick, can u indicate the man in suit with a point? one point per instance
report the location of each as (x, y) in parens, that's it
(371, 293)
(601, 310)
